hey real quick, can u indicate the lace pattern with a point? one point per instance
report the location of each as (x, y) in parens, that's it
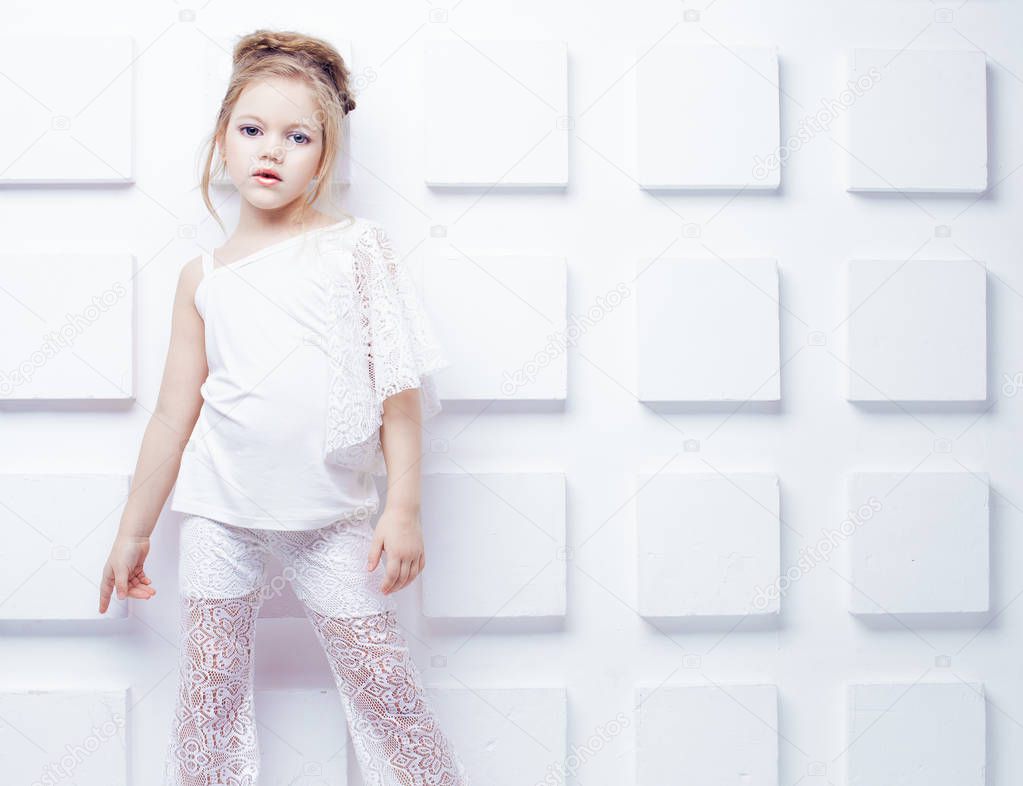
(213, 740)
(399, 742)
(380, 342)
(213, 732)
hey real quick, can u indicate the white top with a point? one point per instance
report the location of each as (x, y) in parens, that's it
(304, 338)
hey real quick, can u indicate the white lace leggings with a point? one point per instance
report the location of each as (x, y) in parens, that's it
(223, 579)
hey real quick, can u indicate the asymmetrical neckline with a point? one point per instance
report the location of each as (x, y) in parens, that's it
(271, 248)
(345, 319)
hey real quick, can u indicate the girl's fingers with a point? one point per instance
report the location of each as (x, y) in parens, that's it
(375, 550)
(106, 589)
(388, 581)
(402, 574)
(407, 572)
(398, 581)
(413, 571)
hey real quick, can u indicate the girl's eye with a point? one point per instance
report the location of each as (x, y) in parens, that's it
(303, 138)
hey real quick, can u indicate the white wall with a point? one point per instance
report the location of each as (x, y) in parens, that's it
(603, 526)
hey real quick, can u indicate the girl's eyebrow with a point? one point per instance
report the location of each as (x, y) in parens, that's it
(260, 120)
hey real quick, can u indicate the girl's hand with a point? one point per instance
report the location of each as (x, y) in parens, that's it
(399, 534)
(125, 572)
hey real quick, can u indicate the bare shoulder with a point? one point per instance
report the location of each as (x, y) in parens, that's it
(189, 277)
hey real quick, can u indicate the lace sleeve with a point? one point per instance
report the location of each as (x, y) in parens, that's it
(402, 346)
(398, 347)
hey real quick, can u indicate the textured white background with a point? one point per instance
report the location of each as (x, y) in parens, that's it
(519, 694)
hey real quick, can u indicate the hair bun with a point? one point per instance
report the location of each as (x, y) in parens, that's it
(312, 53)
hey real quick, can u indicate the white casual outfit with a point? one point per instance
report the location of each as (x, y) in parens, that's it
(222, 572)
(304, 341)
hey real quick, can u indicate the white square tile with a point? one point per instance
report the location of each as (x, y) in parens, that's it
(707, 117)
(67, 736)
(57, 535)
(489, 361)
(925, 545)
(68, 326)
(495, 545)
(494, 113)
(917, 330)
(499, 731)
(303, 737)
(74, 105)
(708, 544)
(922, 734)
(708, 330)
(918, 122)
(707, 734)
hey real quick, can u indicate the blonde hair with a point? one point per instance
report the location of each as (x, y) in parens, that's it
(265, 54)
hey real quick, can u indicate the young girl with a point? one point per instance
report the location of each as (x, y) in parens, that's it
(299, 366)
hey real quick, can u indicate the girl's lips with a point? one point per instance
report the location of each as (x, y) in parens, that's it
(266, 180)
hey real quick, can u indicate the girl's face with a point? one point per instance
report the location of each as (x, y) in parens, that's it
(274, 126)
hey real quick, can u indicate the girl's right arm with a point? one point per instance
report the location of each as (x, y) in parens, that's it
(168, 431)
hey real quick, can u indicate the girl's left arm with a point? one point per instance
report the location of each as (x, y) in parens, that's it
(398, 530)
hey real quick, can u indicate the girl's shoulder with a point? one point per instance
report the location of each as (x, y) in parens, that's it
(191, 273)
(352, 227)
(352, 237)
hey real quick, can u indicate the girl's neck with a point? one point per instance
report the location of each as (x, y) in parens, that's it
(267, 224)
